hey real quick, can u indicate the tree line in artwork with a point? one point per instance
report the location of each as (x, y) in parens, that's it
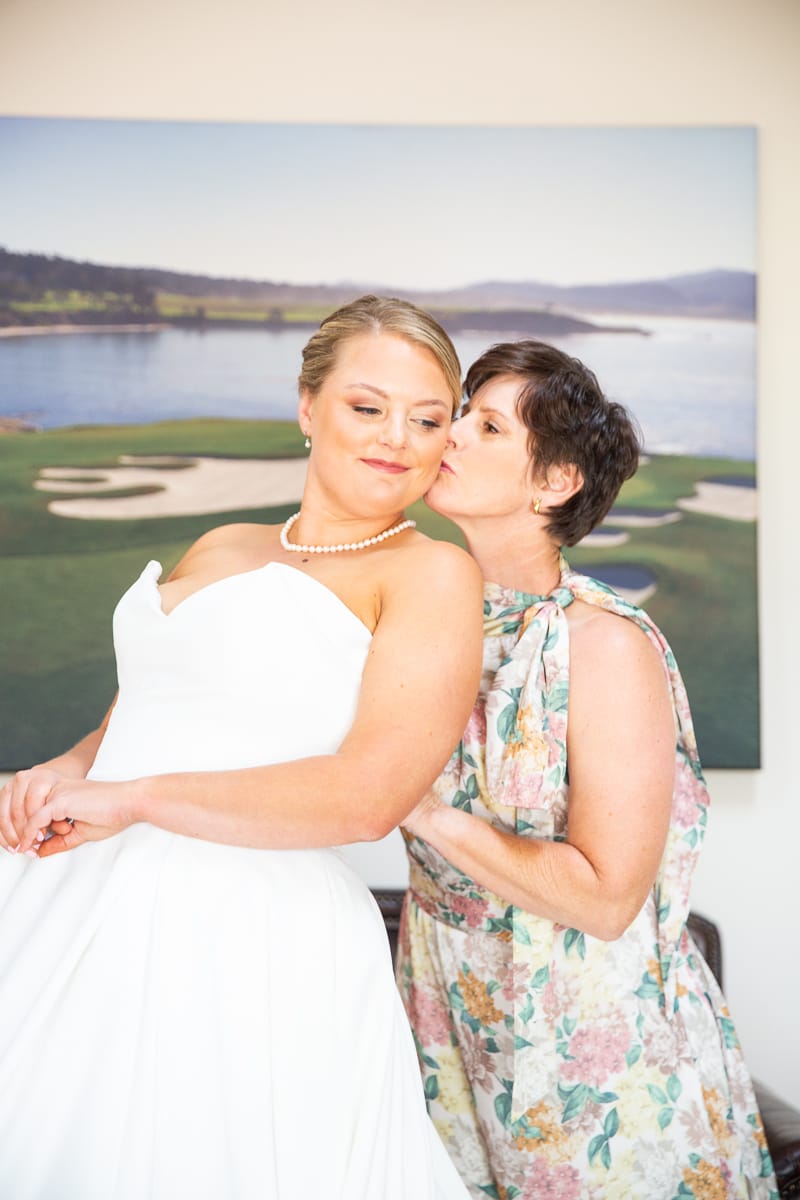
(38, 289)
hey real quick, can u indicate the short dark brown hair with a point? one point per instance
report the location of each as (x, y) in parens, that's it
(569, 420)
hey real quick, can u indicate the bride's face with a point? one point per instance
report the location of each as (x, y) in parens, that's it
(378, 425)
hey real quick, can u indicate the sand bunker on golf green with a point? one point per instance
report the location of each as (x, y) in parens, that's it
(179, 487)
(605, 538)
(644, 517)
(734, 501)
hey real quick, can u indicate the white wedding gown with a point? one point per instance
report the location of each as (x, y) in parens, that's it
(181, 1019)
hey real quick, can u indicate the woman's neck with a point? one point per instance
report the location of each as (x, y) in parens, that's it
(520, 558)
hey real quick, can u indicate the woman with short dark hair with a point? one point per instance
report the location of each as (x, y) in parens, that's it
(573, 1042)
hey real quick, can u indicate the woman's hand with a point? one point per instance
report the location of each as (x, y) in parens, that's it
(20, 797)
(77, 811)
(418, 821)
(27, 791)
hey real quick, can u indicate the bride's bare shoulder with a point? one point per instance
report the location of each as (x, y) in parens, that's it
(239, 540)
(438, 567)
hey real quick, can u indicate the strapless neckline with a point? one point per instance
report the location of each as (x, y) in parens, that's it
(152, 573)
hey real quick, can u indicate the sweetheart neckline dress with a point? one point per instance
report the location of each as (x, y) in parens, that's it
(180, 1018)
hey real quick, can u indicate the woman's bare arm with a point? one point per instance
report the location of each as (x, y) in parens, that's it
(621, 754)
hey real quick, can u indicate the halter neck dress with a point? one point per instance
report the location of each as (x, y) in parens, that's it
(183, 1019)
(557, 1064)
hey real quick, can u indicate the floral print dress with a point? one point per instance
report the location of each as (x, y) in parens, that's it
(557, 1064)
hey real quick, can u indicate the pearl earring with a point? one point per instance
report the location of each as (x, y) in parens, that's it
(308, 442)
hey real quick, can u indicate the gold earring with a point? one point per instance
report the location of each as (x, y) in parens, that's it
(537, 504)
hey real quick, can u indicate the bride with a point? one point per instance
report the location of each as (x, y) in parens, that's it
(196, 996)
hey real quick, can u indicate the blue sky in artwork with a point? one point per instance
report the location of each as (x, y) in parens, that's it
(403, 206)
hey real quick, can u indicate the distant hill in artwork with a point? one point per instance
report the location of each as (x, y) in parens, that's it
(39, 289)
(708, 294)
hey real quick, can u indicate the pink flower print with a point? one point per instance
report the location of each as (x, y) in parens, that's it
(661, 1047)
(560, 995)
(475, 733)
(556, 753)
(558, 725)
(430, 1017)
(515, 984)
(560, 1182)
(685, 809)
(473, 908)
(522, 783)
(597, 1052)
(478, 1063)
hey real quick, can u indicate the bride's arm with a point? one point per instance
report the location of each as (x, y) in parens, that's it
(418, 688)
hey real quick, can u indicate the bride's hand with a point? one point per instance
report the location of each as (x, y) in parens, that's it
(23, 794)
(77, 811)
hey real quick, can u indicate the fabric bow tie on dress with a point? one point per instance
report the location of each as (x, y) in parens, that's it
(526, 709)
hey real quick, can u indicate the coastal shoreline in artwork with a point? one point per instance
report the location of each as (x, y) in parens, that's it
(15, 331)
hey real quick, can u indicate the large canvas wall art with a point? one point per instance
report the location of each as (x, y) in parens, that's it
(157, 283)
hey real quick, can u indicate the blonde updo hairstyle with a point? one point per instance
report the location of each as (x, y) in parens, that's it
(378, 314)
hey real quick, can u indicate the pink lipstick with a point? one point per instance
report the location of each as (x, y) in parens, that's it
(381, 464)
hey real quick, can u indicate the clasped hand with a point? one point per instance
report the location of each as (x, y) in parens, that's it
(43, 813)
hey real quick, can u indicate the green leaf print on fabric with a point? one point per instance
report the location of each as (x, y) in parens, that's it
(462, 800)
(729, 1033)
(507, 724)
(574, 937)
(633, 1055)
(559, 697)
(648, 989)
(577, 1098)
(502, 1106)
(611, 1123)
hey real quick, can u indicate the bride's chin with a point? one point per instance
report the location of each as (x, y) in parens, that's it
(436, 496)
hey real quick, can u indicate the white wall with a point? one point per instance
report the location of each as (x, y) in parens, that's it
(520, 62)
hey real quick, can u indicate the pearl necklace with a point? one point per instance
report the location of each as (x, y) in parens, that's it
(362, 545)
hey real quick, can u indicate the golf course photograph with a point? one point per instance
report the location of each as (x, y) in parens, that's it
(150, 344)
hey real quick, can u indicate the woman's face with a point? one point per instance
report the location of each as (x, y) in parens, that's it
(486, 467)
(378, 425)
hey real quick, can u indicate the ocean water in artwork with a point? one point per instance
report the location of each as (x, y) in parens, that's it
(690, 382)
